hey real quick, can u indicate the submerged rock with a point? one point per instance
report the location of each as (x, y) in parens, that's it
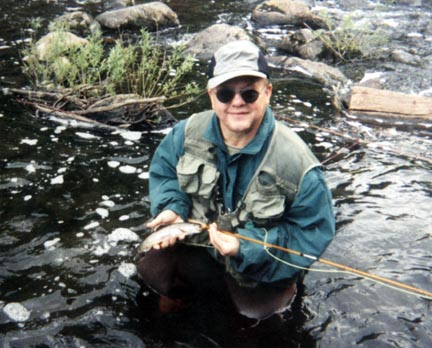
(152, 16)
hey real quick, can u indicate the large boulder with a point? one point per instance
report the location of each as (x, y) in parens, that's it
(303, 43)
(78, 22)
(286, 12)
(69, 41)
(152, 16)
(206, 42)
(327, 75)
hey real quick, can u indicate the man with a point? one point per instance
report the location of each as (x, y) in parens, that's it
(236, 168)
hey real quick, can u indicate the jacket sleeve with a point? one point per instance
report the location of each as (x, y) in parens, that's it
(308, 227)
(164, 188)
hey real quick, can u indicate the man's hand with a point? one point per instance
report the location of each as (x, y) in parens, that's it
(225, 244)
(166, 217)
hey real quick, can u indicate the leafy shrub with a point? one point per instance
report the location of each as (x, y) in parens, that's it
(141, 68)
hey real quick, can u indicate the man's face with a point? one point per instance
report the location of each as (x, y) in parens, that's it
(240, 120)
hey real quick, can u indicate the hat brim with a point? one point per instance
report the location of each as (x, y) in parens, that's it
(217, 80)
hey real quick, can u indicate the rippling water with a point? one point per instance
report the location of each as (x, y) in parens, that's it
(73, 199)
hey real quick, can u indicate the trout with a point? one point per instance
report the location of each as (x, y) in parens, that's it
(173, 230)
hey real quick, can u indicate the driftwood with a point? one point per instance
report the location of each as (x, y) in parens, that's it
(124, 110)
(389, 105)
(64, 114)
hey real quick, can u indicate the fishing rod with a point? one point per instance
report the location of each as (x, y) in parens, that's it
(394, 283)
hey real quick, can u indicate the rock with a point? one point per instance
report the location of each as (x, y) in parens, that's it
(152, 16)
(69, 41)
(116, 4)
(372, 80)
(78, 22)
(323, 73)
(303, 43)
(283, 12)
(311, 50)
(403, 57)
(206, 42)
(415, 3)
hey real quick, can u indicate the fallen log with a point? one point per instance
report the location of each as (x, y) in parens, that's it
(65, 114)
(390, 106)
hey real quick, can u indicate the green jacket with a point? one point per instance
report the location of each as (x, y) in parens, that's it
(307, 224)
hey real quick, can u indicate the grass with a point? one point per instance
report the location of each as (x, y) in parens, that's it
(348, 42)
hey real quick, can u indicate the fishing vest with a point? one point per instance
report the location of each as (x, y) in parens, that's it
(271, 190)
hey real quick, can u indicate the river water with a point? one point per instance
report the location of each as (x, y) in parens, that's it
(72, 195)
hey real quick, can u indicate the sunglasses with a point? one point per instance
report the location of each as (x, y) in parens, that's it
(225, 95)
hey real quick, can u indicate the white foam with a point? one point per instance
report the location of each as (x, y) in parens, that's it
(91, 225)
(108, 203)
(30, 142)
(49, 243)
(127, 269)
(122, 234)
(30, 168)
(86, 135)
(128, 169)
(104, 213)
(58, 180)
(113, 164)
(144, 175)
(130, 135)
(16, 311)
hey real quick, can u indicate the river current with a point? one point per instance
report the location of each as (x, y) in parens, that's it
(74, 198)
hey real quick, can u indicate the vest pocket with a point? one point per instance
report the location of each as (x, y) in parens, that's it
(264, 206)
(266, 199)
(196, 177)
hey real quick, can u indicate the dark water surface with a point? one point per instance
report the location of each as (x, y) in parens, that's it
(73, 199)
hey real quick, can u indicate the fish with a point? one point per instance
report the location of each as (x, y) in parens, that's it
(172, 230)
